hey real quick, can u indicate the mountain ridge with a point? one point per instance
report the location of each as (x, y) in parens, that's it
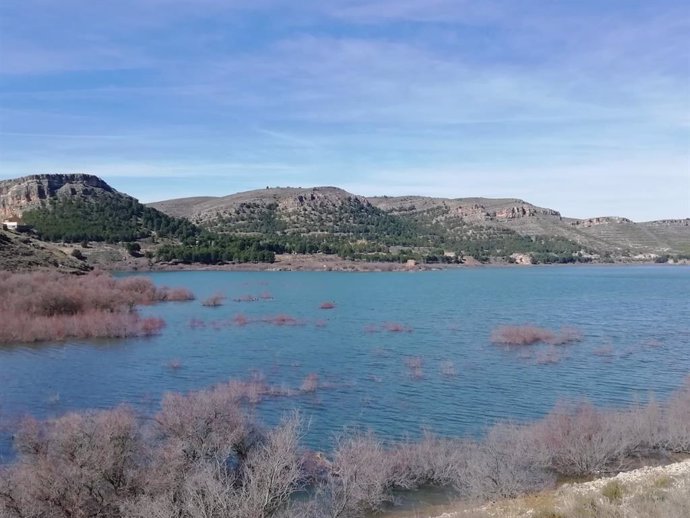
(254, 225)
(457, 217)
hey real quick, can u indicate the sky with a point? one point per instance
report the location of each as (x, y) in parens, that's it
(581, 106)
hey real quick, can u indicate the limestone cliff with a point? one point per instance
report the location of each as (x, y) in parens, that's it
(28, 192)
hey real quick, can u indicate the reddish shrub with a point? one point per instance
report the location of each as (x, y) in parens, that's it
(530, 335)
(310, 383)
(521, 335)
(566, 335)
(152, 326)
(394, 327)
(51, 306)
(240, 320)
(266, 295)
(414, 365)
(214, 300)
(327, 305)
(196, 323)
(282, 320)
(176, 295)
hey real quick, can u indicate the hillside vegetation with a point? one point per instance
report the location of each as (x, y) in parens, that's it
(84, 209)
(330, 220)
(256, 226)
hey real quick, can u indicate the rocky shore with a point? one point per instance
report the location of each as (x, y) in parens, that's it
(659, 491)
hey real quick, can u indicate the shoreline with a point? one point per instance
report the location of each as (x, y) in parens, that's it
(634, 483)
(332, 263)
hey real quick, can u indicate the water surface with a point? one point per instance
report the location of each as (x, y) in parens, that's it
(634, 321)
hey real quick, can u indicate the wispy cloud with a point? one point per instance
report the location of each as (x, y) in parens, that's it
(388, 92)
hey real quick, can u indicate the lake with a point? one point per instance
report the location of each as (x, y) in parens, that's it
(399, 352)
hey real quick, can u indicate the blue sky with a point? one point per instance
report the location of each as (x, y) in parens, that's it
(582, 106)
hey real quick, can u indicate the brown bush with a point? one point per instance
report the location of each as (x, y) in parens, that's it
(521, 335)
(79, 465)
(52, 306)
(530, 335)
(214, 300)
(202, 456)
(310, 383)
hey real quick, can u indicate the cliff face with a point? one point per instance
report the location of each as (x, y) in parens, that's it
(21, 194)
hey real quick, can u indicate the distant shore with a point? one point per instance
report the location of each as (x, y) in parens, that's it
(333, 263)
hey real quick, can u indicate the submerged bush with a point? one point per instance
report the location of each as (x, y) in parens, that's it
(530, 335)
(53, 306)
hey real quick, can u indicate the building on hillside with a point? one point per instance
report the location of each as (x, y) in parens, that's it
(13, 224)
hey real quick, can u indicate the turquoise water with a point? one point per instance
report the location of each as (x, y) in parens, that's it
(634, 321)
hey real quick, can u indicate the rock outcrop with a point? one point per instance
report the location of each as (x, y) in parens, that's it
(28, 192)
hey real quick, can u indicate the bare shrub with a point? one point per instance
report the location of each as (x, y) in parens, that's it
(396, 327)
(521, 335)
(359, 480)
(327, 305)
(271, 472)
(202, 425)
(79, 465)
(677, 413)
(176, 295)
(201, 456)
(282, 320)
(414, 366)
(580, 440)
(240, 320)
(505, 464)
(213, 301)
(433, 461)
(310, 383)
(52, 306)
(448, 369)
(566, 335)
(530, 335)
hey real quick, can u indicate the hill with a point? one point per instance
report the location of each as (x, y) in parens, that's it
(612, 235)
(80, 208)
(23, 253)
(478, 227)
(257, 225)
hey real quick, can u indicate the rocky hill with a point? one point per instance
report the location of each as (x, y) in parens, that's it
(31, 192)
(257, 225)
(23, 253)
(332, 210)
(82, 207)
(293, 210)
